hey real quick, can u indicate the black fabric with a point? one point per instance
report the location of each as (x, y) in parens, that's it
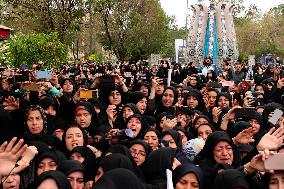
(90, 162)
(176, 136)
(182, 170)
(60, 179)
(121, 149)
(54, 154)
(135, 97)
(69, 166)
(205, 159)
(85, 137)
(118, 179)
(94, 121)
(231, 179)
(145, 145)
(156, 165)
(114, 161)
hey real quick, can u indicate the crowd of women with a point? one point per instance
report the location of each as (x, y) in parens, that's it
(205, 130)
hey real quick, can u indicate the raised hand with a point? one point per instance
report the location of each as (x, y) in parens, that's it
(271, 140)
(257, 162)
(10, 153)
(244, 137)
(11, 104)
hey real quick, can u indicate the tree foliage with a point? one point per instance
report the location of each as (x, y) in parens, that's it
(132, 29)
(45, 16)
(261, 34)
(30, 49)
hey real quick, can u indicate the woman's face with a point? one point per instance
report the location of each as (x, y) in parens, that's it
(127, 112)
(203, 131)
(277, 180)
(83, 118)
(168, 98)
(68, 87)
(259, 89)
(223, 153)
(76, 180)
(74, 137)
(138, 153)
(51, 110)
(172, 143)
(12, 181)
(78, 157)
(142, 105)
(199, 122)
(152, 139)
(115, 98)
(35, 122)
(188, 181)
(192, 102)
(223, 102)
(144, 90)
(135, 125)
(46, 164)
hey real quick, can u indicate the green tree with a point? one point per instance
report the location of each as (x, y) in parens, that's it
(30, 49)
(261, 34)
(175, 32)
(45, 16)
(132, 29)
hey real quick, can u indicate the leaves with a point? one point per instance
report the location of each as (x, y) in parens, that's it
(30, 49)
(132, 29)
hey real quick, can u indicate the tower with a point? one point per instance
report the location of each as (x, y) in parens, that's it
(211, 32)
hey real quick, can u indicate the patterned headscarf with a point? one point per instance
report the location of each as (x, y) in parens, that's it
(43, 115)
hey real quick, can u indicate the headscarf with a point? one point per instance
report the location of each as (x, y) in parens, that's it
(212, 140)
(231, 179)
(90, 162)
(60, 179)
(145, 145)
(43, 133)
(176, 136)
(143, 122)
(85, 136)
(117, 179)
(69, 166)
(114, 161)
(135, 97)
(157, 163)
(182, 170)
(54, 154)
(85, 105)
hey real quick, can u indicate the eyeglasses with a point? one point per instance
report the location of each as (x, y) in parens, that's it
(137, 152)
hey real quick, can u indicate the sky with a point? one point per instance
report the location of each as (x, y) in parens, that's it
(178, 7)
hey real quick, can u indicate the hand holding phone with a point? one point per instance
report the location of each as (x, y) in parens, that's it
(277, 114)
(274, 162)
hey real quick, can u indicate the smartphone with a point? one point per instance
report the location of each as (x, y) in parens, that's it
(276, 116)
(88, 94)
(43, 74)
(243, 112)
(30, 87)
(21, 77)
(275, 162)
(107, 82)
(128, 74)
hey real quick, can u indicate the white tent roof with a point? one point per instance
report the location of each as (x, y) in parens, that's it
(5, 27)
